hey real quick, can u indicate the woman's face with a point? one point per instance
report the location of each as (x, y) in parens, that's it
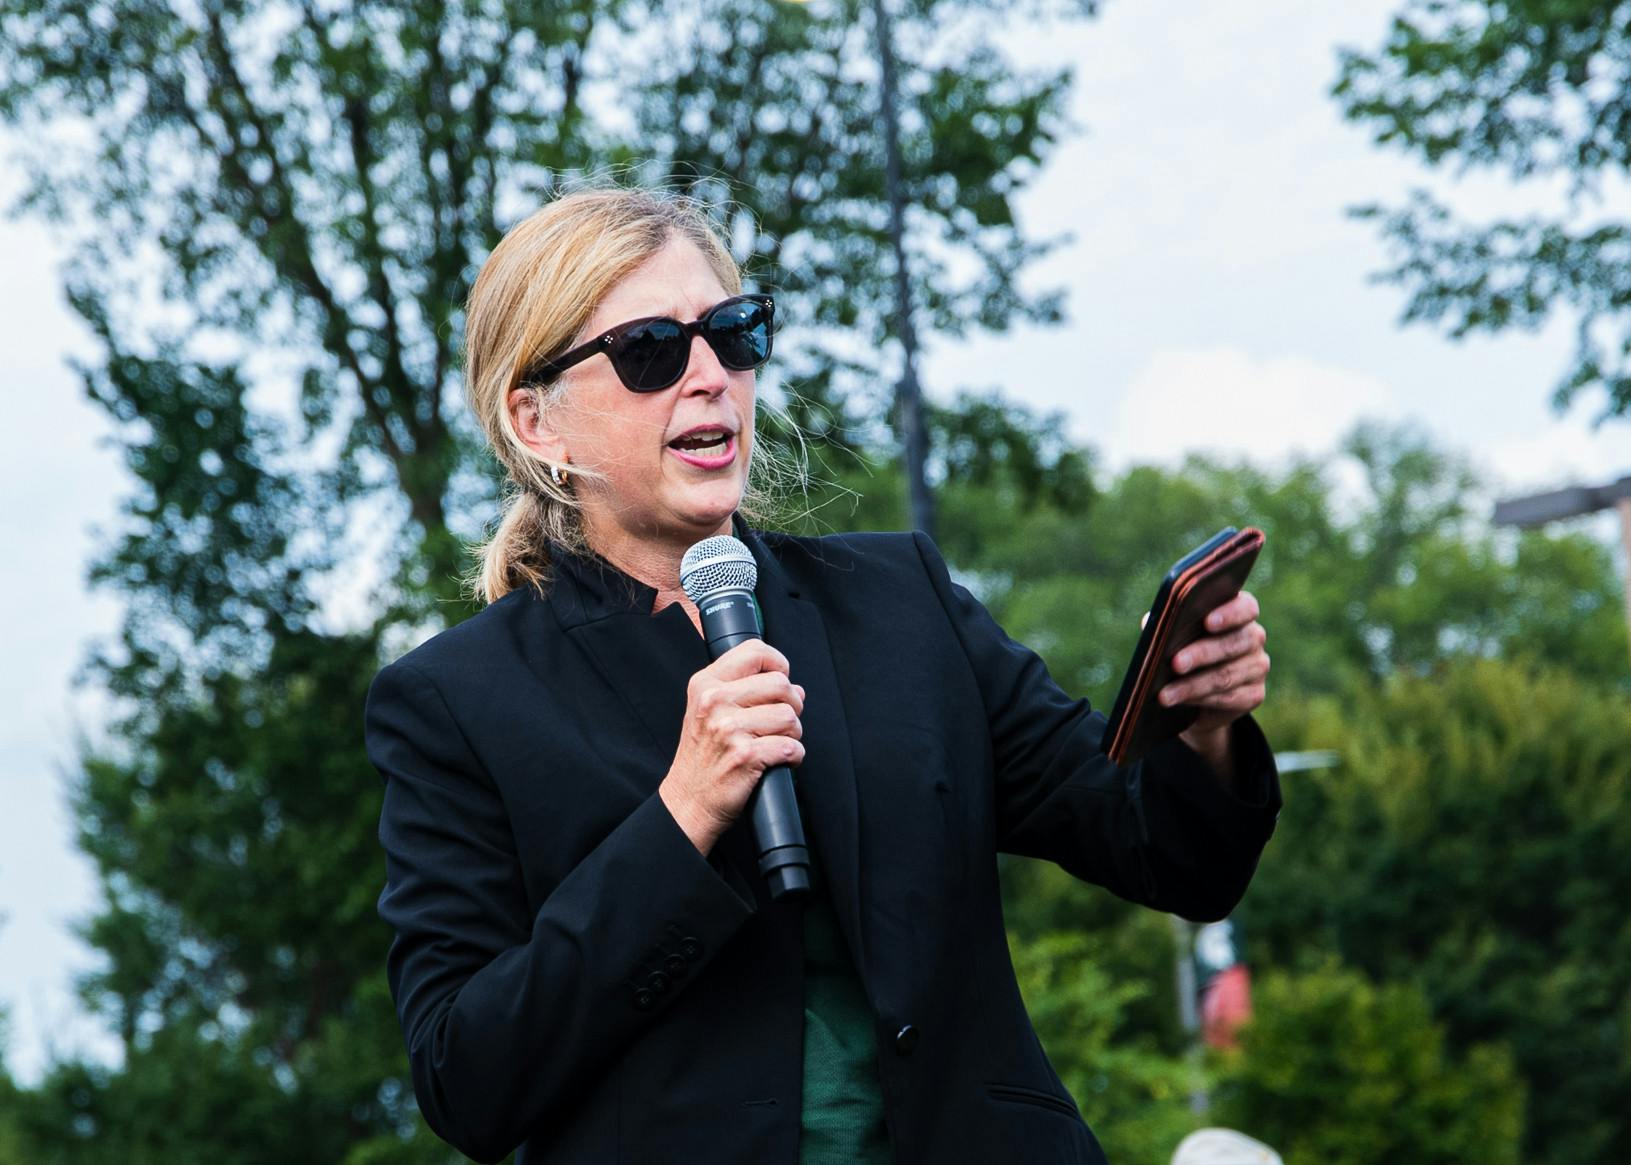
(673, 462)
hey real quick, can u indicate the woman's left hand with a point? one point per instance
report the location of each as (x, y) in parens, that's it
(1223, 673)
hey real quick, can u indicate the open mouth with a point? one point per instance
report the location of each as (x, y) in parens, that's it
(703, 442)
(707, 448)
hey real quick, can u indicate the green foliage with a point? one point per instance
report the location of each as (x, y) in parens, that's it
(1134, 1093)
(1354, 586)
(1536, 88)
(1335, 1071)
(1475, 841)
(181, 1098)
(1043, 905)
(314, 187)
(12, 1143)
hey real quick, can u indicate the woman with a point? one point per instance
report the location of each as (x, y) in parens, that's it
(587, 964)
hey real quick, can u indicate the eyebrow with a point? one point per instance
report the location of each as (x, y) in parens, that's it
(683, 314)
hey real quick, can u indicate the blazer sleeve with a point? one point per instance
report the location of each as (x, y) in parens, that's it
(1164, 831)
(510, 1015)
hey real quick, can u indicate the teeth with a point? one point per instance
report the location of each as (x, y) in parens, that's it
(713, 441)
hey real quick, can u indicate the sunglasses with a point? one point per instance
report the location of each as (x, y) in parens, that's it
(650, 354)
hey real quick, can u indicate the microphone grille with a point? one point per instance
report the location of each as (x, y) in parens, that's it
(720, 563)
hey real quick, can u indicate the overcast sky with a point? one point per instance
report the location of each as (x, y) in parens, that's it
(1218, 300)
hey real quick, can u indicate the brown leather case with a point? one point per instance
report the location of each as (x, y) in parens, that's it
(1202, 580)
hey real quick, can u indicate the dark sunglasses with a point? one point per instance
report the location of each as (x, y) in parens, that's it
(650, 354)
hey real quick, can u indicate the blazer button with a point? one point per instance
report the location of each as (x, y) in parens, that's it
(644, 998)
(690, 947)
(657, 981)
(906, 1040)
(675, 965)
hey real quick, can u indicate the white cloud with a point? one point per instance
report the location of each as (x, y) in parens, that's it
(1227, 401)
(1568, 452)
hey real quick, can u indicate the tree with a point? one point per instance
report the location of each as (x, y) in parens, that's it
(1133, 1091)
(1334, 1071)
(1398, 577)
(312, 186)
(786, 108)
(11, 1136)
(1540, 89)
(1474, 840)
(278, 210)
(776, 106)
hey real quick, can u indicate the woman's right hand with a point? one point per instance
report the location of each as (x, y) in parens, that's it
(741, 718)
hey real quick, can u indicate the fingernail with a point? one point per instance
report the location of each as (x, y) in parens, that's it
(1166, 696)
(1181, 662)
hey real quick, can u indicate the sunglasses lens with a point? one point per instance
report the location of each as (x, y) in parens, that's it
(739, 333)
(651, 355)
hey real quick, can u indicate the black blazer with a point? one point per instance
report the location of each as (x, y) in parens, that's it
(572, 977)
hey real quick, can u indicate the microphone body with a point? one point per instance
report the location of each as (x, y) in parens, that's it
(718, 575)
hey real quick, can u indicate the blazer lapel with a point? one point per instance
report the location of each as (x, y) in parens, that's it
(645, 659)
(826, 779)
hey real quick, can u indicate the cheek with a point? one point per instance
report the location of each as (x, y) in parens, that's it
(603, 433)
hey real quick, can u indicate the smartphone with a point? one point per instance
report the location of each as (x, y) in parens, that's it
(1199, 582)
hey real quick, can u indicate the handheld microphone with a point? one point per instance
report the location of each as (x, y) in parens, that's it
(719, 575)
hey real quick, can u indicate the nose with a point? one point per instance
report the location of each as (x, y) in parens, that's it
(704, 375)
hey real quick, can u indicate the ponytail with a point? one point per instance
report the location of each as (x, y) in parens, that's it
(518, 553)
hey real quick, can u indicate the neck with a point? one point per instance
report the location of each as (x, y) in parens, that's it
(654, 561)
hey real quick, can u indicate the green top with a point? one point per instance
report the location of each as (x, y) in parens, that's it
(841, 1121)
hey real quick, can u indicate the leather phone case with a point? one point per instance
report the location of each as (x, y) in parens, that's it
(1202, 580)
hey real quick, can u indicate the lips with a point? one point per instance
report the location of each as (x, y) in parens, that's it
(705, 446)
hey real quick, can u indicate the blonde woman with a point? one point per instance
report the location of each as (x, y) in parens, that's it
(587, 965)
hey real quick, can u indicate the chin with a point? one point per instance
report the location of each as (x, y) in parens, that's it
(709, 514)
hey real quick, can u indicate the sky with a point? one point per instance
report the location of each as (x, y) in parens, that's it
(1219, 300)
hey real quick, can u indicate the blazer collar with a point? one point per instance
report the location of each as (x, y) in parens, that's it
(587, 587)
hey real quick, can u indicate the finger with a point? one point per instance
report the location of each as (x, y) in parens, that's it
(1237, 611)
(749, 658)
(1238, 700)
(762, 752)
(782, 750)
(1210, 649)
(1211, 681)
(1218, 680)
(766, 720)
(764, 688)
(1210, 719)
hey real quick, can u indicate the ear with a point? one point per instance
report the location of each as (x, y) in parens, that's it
(533, 429)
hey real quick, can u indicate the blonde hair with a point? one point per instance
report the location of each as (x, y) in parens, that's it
(534, 294)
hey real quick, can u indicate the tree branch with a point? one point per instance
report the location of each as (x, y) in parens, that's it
(278, 212)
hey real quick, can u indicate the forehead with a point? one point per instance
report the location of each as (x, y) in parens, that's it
(677, 281)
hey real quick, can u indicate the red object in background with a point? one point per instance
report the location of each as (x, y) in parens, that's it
(1226, 1003)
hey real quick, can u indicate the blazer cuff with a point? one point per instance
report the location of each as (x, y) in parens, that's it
(1187, 775)
(668, 870)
